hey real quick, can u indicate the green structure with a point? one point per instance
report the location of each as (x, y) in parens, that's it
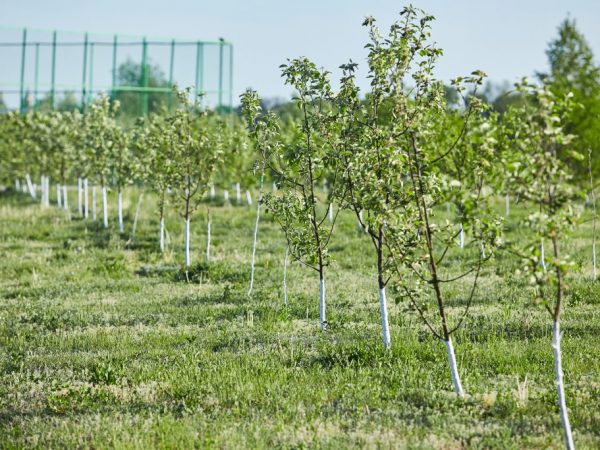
(60, 69)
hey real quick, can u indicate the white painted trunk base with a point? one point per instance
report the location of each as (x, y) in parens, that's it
(226, 196)
(461, 236)
(86, 198)
(560, 385)
(65, 197)
(58, 196)
(254, 249)
(248, 198)
(274, 186)
(94, 212)
(162, 234)
(80, 196)
(120, 210)
(104, 207)
(187, 243)
(322, 316)
(330, 212)
(30, 186)
(385, 326)
(285, 263)
(594, 273)
(136, 215)
(212, 191)
(208, 241)
(453, 368)
(238, 193)
(542, 255)
(17, 185)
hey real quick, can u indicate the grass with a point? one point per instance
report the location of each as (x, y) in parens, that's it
(104, 344)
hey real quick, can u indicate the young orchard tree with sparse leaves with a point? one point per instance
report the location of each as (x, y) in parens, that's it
(300, 167)
(196, 148)
(543, 179)
(446, 164)
(101, 138)
(155, 160)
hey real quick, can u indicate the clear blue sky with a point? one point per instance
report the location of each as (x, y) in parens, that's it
(505, 38)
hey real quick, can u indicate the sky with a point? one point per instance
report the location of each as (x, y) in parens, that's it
(505, 38)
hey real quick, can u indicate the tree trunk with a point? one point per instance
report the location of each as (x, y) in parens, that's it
(104, 206)
(86, 205)
(79, 196)
(208, 239)
(248, 198)
(453, 368)
(94, 215)
(560, 386)
(238, 193)
(322, 315)
(187, 242)
(120, 210)
(58, 197)
(254, 248)
(136, 215)
(65, 197)
(30, 186)
(542, 255)
(285, 263)
(461, 236)
(385, 326)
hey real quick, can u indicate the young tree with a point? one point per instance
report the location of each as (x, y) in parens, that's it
(196, 153)
(543, 178)
(100, 136)
(155, 160)
(299, 167)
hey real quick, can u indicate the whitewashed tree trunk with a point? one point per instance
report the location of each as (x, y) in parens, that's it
(274, 186)
(322, 314)
(385, 326)
(30, 186)
(208, 240)
(226, 196)
(461, 236)
(212, 191)
(560, 385)
(80, 196)
(120, 210)
(454, 368)
(58, 197)
(238, 193)
(17, 185)
(65, 197)
(162, 234)
(507, 201)
(104, 207)
(542, 255)
(254, 248)
(248, 198)
(187, 243)
(136, 215)
(330, 212)
(285, 263)
(24, 187)
(86, 198)
(94, 215)
(594, 272)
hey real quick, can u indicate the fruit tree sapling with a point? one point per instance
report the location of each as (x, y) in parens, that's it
(299, 166)
(545, 182)
(197, 150)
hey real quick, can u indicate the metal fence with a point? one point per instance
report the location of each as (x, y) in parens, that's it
(64, 70)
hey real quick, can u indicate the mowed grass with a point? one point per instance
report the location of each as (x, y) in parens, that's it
(105, 344)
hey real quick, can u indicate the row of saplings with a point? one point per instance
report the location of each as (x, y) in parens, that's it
(395, 156)
(399, 154)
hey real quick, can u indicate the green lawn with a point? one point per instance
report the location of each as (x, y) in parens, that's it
(103, 344)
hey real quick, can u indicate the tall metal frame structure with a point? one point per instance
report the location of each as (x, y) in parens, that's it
(223, 91)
